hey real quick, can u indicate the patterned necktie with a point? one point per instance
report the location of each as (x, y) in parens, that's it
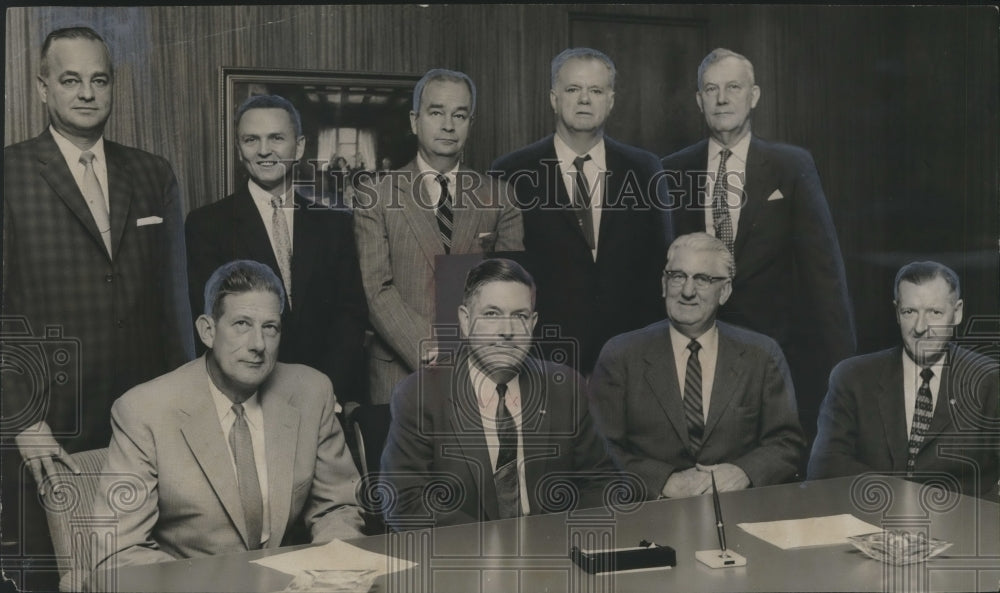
(581, 192)
(95, 198)
(721, 218)
(506, 477)
(692, 398)
(246, 476)
(445, 218)
(282, 246)
(923, 411)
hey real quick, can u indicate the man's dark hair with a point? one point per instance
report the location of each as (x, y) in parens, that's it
(496, 270)
(72, 33)
(269, 102)
(238, 277)
(441, 74)
(919, 272)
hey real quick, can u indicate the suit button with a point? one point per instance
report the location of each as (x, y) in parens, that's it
(109, 278)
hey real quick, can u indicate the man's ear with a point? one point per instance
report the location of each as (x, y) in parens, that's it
(727, 289)
(43, 89)
(206, 330)
(463, 320)
(697, 99)
(413, 122)
(300, 147)
(754, 96)
(958, 312)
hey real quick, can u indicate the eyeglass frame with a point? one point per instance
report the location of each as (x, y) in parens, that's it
(677, 278)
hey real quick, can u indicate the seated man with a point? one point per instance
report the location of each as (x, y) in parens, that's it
(227, 452)
(688, 395)
(927, 410)
(495, 428)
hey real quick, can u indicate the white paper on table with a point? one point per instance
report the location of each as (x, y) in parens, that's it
(336, 555)
(813, 531)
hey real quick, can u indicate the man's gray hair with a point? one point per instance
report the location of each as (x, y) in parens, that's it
(441, 74)
(238, 277)
(919, 272)
(72, 33)
(721, 53)
(581, 53)
(705, 242)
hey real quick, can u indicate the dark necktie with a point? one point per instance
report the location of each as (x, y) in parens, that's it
(923, 411)
(720, 207)
(95, 198)
(581, 192)
(692, 398)
(246, 476)
(445, 219)
(505, 477)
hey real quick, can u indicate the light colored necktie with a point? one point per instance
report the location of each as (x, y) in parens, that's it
(693, 411)
(246, 476)
(923, 411)
(95, 198)
(445, 218)
(282, 246)
(721, 218)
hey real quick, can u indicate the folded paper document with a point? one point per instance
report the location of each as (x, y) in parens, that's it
(813, 531)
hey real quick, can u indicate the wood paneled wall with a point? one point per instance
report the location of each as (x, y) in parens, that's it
(898, 105)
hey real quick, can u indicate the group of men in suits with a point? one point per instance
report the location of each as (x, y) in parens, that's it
(93, 244)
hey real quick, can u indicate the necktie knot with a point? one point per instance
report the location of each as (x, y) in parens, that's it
(579, 161)
(441, 179)
(927, 374)
(277, 202)
(238, 410)
(694, 347)
(725, 152)
(502, 390)
(87, 157)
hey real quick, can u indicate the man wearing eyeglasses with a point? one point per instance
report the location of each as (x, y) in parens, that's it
(690, 395)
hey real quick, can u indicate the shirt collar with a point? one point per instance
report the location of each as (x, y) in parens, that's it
(739, 156)
(224, 405)
(708, 340)
(566, 155)
(72, 153)
(262, 196)
(911, 369)
(430, 174)
(486, 389)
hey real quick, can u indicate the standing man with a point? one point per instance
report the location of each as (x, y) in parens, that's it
(928, 410)
(765, 202)
(690, 395)
(431, 207)
(230, 450)
(93, 262)
(310, 247)
(490, 427)
(595, 231)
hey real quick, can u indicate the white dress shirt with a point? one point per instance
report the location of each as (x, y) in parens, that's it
(72, 155)
(262, 199)
(428, 176)
(707, 356)
(594, 170)
(736, 169)
(912, 382)
(486, 396)
(255, 420)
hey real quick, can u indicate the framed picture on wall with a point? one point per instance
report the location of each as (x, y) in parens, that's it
(356, 125)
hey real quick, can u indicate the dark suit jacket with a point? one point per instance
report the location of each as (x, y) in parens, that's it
(169, 447)
(325, 328)
(862, 425)
(790, 282)
(620, 291)
(437, 436)
(115, 322)
(636, 399)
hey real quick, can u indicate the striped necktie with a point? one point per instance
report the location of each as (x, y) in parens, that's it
(282, 246)
(445, 218)
(692, 398)
(721, 218)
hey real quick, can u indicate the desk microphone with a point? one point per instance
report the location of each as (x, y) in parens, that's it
(721, 558)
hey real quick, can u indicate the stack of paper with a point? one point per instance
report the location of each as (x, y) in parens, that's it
(335, 567)
(814, 531)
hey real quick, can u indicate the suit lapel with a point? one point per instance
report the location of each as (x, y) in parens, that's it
(892, 410)
(120, 191)
(535, 423)
(614, 180)
(759, 178)
(251, 237)
(203, 434)
(661, 377)
(469, 208)
(942, 421)
(307, 246)
(467, 426)
(690, 218)
(281, 428)
(419, 211)
(728, 371)
(56, 173)
(563, 201)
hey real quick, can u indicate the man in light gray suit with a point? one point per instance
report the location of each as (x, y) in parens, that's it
(228, 452)
(428, 208)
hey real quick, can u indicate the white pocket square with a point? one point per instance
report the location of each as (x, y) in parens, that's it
(486, 235)
(775, 195)
(148, 220)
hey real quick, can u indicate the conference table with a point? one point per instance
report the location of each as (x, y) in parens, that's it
(532, 553)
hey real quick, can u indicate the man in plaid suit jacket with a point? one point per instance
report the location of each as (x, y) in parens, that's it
(93, 267)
